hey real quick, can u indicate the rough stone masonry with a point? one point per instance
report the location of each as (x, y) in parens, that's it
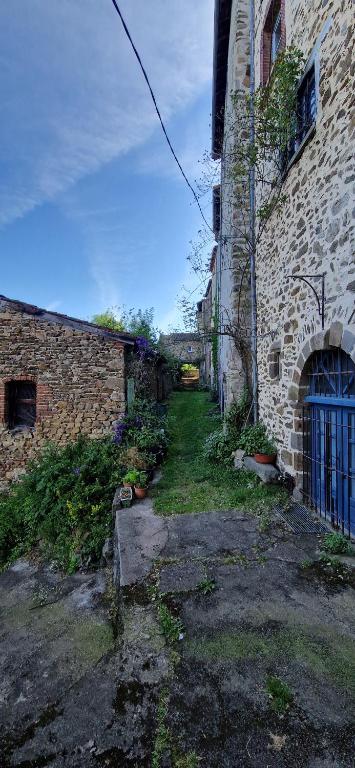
(79, 374)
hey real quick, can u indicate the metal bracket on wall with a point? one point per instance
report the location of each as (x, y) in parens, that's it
(320, 299)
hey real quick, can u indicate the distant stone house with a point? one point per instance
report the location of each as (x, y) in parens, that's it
(59, 376)
(306, 330)
(186, 347)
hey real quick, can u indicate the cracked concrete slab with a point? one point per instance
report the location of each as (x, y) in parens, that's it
(140, 537)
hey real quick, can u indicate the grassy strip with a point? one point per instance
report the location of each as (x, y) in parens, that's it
(190, 483)
(163, 742)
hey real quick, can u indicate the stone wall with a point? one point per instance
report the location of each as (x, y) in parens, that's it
(315, 232)
(186, 347)
(79, 377)
(231, 252)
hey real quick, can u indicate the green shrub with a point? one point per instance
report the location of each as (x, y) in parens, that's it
(142, 480)
(336, 544)
(254, 439)
(280, 694)
(143, 427)
(217, 448)
(132, 477)
(62, 504)
(237, 416)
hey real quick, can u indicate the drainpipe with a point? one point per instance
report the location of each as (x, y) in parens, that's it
(254, 321)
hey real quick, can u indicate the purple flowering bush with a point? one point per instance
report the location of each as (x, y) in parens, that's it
(143, 428)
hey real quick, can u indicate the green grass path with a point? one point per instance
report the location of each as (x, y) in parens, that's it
(192, 484)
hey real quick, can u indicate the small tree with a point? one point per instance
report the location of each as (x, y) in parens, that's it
(109, 319)
(139, 322)
(243, 157)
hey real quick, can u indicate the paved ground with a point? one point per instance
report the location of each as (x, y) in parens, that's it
(74, 696)
(68, 691)
(268, 615)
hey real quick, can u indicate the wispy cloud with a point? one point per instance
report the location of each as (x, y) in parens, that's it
(53, 306)
(74, 99)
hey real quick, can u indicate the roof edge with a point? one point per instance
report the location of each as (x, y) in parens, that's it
(222, 23)
(73, 322)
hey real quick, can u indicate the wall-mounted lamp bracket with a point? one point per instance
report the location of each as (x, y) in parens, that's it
(320, 298)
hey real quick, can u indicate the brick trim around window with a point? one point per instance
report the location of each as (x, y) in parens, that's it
(42, 397)
(273, 8)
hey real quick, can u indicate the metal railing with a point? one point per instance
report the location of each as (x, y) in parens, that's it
(329, 463)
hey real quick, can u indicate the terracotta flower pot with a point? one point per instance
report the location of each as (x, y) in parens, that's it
(128, 485)
(264, 458)
(140, 493)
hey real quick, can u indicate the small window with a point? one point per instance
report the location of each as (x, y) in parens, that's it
(306, 113)
(274, 360)
(216, 210)
(273, 38)
(276, 38)
(306, 105)
(189, 349)
(21, 404)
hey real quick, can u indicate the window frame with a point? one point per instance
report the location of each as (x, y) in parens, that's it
(274, 17)
(274, 360)
(274, 49)
(13, 400)
(311, 70)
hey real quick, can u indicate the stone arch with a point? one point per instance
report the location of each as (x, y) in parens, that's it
(337, 336)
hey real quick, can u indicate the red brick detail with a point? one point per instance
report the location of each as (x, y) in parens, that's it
(43, 399)
(273, 7)
(43, 395)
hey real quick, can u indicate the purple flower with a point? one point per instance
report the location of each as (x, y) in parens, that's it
(76, 471)
(120, 430)
(143, 347)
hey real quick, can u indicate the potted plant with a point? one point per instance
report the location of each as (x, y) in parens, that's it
(131, 478)
(126, 496)
(255, 441)
(141, 485)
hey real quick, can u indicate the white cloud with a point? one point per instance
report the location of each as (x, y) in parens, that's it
(74, 98)
(54, 305)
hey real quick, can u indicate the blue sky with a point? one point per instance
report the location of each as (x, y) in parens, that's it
(93, 212)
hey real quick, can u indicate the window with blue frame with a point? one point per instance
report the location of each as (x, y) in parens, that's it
(331, 373)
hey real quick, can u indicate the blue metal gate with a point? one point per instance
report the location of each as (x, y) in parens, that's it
(329, 439)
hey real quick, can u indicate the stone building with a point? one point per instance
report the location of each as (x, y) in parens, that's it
(306, 330)
(185, 347)
(206, 318)
(231, 74)
(59, 377)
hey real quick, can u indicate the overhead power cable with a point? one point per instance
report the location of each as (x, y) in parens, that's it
(158, 113)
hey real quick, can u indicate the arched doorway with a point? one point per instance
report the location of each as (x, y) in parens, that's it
(329, 437)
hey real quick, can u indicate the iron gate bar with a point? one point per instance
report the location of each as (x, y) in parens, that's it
(327, 482)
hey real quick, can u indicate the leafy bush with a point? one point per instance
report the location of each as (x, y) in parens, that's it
(133, 458)
(143, 427)
(218, 448)
(63, 504)
(336, 544)
(237, 416)
(188, 368)
(142, 480)
(131, 477)
(254, 439)
(280, 694)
